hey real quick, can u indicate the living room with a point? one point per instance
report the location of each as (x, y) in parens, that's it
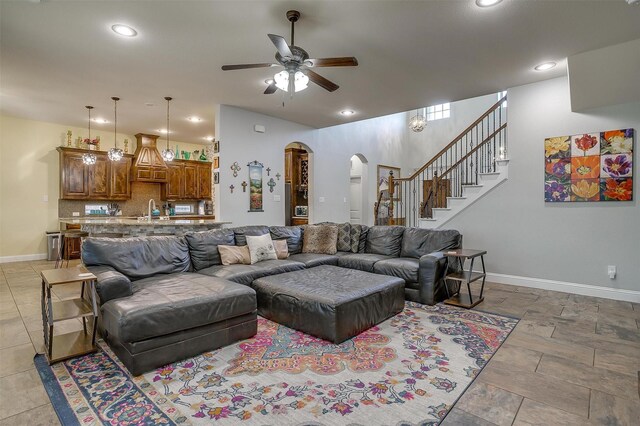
(547, 263)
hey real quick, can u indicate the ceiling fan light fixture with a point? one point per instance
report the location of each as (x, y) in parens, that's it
(300, 80)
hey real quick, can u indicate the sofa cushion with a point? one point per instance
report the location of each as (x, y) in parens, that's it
(203, 246)
(417, 242)
(386, 240)
(401, 267)
(138, 257)
(361, 261)
(320, 239)
(167, 304)
(293, 235)
(242, 231)
(362, 244)
(245, 274)
(234, 255)
(354, 238)
(261, 248)
(311, 260)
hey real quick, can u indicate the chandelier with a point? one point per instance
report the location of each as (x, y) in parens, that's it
(418, 122)
(89, 158)
(300, 80)
(115, 153)
(168, 154)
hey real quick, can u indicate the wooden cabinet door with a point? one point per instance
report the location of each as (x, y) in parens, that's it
(175, 177)
(74, 177)
(190, 181)
(99, 178)
(288, 165)
(204, 181)
(119, 179)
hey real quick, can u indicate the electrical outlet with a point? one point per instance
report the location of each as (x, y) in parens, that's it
(611, 270)
(75, 214)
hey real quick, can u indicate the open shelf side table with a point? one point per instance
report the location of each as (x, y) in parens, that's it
(69, 345)
(458, 298)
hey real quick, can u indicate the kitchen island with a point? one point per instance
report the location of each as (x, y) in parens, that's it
(133, 227)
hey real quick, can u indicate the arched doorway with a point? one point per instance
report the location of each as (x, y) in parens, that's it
(358, 211)
(298, 184)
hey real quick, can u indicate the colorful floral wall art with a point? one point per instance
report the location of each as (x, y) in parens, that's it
(589, 167)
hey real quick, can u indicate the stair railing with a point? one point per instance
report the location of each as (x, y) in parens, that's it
(474, 151)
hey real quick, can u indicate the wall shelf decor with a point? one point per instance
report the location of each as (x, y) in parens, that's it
(589, 167)
(255, 186)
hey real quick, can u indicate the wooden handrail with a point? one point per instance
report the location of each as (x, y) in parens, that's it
(454, 141)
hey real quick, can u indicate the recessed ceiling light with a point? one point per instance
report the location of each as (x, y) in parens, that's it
(545, 66)
(149, 104)
(347, 112)
(208, 138)
(124, 30)
(100, 120)
(269, 81)
(194, 119)
(487, 3)
(163, 131)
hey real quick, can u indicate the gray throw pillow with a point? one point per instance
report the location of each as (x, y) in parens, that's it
(321, 239)
(354, 237)
(344, 237)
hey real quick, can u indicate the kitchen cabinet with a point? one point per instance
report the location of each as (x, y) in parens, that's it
(104, 180)
(149, 165)
(187, 180)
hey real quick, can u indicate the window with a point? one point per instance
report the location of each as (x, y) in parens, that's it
(437, 112)
(502, 95)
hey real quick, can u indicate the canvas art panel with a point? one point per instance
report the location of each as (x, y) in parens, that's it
(589, 167)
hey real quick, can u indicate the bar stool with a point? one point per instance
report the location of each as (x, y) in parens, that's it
(68, 237)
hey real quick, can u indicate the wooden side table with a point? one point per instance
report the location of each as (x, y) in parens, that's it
(69, 345)
(457, 298)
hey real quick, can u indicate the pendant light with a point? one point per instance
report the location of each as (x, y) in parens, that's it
(418, 122)
(115, 153)
(168, 154)
(89, 158)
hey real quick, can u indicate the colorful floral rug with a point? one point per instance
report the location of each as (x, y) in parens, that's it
(408, 370)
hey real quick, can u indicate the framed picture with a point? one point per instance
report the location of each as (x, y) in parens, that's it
(383, 180)
(216, 147)
(216, 178)
(216, 162)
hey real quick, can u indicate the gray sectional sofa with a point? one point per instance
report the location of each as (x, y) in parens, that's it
(167, 298)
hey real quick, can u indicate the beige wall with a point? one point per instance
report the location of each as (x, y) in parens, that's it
(29, 171)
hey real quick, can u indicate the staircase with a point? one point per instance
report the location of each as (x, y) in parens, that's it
(465, 170)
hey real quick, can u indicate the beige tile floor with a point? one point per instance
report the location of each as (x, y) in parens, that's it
(572, 360)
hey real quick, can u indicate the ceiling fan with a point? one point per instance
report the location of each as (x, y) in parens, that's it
(296, 63)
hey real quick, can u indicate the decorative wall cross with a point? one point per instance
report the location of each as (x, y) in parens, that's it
(231, 187)
(278, 175)
(271, 184)
(268, 169)
(235, 168)
(244, 186)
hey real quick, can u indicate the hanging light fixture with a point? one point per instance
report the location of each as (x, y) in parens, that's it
(89, 158)
(300, 80)
(168, 154)
(115, 153)
(418, 122)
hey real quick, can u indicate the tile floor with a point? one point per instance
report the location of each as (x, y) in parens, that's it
(572, 360)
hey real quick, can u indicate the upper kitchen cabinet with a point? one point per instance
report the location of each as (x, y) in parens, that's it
(104, 180)
(187, 180)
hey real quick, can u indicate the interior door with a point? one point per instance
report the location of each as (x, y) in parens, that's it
(355, 210)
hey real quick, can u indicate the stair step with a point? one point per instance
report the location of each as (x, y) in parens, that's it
(473, 186)
(441, 208)
(456, 198)
(489, 174)
(428, 219)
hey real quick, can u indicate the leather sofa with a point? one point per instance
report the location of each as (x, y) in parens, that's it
(167, 298)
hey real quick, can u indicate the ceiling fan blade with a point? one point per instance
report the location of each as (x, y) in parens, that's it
(347, 61)
(321, 81)
(281, 45)
(270, 89)
(246, 66)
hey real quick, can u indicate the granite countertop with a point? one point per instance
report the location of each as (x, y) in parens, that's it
(135, 222)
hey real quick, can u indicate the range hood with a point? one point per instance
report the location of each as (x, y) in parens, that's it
(148, 165)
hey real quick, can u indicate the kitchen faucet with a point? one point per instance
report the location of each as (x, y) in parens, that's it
(151, 203)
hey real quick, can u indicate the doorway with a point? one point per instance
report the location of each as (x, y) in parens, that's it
(358, 212)
(297, 184)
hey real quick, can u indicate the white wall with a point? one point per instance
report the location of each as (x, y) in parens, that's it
(570, 242)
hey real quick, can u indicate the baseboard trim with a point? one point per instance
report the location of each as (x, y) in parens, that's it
(23, 257)
(567, 287)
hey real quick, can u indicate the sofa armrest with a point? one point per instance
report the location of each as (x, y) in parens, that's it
(110, 284)
(430, 277)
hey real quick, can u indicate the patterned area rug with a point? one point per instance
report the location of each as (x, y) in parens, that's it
(408, 370)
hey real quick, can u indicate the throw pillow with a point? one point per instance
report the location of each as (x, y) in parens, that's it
(261, 248)
(282, 248)
(232, 255)
(354, 237)
(321, 239)
(344, 237)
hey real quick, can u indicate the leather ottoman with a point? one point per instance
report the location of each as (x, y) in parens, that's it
(329, 302)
